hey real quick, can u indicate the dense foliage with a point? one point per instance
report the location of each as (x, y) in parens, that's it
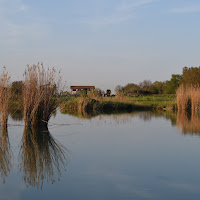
(173, 84)
(16, 88)
(191, 76)
(158, 87)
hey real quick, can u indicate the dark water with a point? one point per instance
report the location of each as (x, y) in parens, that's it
(127, 156)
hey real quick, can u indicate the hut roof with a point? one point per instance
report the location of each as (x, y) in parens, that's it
(82, 87)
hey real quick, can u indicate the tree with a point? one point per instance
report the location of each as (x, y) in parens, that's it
(191, 76)
(145, 84)
(16, 88)
(131, 88)
(119, 89)
(146, 87)
(159, 87)
(173, 84)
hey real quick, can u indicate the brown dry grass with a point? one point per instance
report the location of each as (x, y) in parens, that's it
(39, 87)
(188, 98)
(5, 94)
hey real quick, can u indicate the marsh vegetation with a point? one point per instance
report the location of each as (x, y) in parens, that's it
(5, 94)
(39, 87)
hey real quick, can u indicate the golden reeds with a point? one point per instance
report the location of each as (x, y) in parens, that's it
(39, 87)
(188, 98)
(188, 101)
(5, 94)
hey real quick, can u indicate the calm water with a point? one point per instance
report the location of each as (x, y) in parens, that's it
(126, 156)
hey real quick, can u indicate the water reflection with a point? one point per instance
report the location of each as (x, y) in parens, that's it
(16, 114)
(185, 122)
(5, 153)
(148, 116)
(81, 114)
(42, 157)
(124, 117)
(188, 123)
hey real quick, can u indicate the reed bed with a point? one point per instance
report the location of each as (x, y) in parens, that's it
(188, 98)
(39, 88)
(5, 94)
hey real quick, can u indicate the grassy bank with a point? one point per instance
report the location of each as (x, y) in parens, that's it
(156, 102)
(107, 104)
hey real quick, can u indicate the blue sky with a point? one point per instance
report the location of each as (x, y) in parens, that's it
(101, 42)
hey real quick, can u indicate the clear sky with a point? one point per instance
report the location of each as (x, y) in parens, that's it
(101, 42)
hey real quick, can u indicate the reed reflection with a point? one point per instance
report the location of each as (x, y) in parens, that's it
(82, 114)
(5, 153)
(42, 157)
(188, 123)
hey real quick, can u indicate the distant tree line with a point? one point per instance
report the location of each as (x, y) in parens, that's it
(189, 76)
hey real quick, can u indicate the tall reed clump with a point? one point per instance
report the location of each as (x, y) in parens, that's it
(39, 88)
(188, 98)
(5, 94)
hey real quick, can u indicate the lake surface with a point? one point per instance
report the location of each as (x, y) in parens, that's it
(141, 155)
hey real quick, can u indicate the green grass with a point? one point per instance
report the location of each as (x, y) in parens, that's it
(156, 101)
(151, 102)
(110, 104)
(15, 103)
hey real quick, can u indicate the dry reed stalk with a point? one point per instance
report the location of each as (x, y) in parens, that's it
(188, 98)
(195, 98)
(39, 87)
(5, 94)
